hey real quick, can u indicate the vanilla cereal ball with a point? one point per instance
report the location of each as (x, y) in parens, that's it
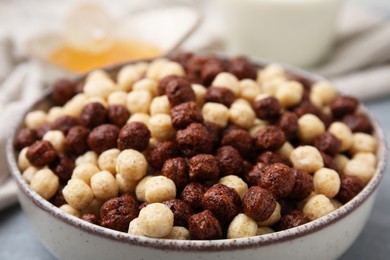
(178, 233)
(160, 105)
(127, 76)
(275, 217)
(200, 93)
(155, 220)
(23, 162)
(140, 188)
(343, 133)
(141, 67)
(318, 206)
(35, 119)
(270, 86)
(257, 125)
(322, 93)
(235, 182)
(95, 99)
(125, 186)
(249, 89)
(307, 158)
(107, 160)
(227, 80)
(99, 84)
(139, 117)
(336, 204)
(171, 68)
(45, 183)
(93, 207)
(134, 228)
(216, 113)
(242, 226)
(139, 101)
(262, 96)
(146, 84)
(87, 157)
(56, 138)
(54, 113)
(286, 149)
(104, 185)
(289, 93)
(369, 158)
(70, 210)
(360, 169)
(117, 98)
(264, 230)
(74, 106)
(160, 126)
(326, 181)
(301, 203)
(363, 142)
(159, 189)
(341, 161)
(131, 164)
(77, 194)
(242, 114)
(270, 72)
(29, 173)
(84, 172)
(155, 67)
(309, 127)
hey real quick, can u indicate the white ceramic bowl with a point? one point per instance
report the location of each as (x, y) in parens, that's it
(68, 237)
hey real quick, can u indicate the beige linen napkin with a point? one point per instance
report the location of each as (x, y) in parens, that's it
(359, 65)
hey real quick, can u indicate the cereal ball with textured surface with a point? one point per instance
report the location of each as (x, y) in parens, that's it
(267, 108)
(107, 160)
(91, 218)
(309, 127)
(363, 142)
(289, 93)
(77, 194)
(293, 219)
(159, 189)
(204, 226)
(23, 162)
(242, 115)
(138, 101)
(193, 140)
(322, 93)
(93, 114)
(134, 135)
(63, 167)
(192, 195)
(74, 106)
(303, 185)
(240, 140)
(35, 119)
(203, 167)
(242, 68)
(134, 228)
(258, 203)
(131, 164)
(125, 186)
(140, 188)
(242, 226)
(62, 91)
(236, 183)
(307, 158)
(179, 91)
(103, 137)
(178, 233)
(160, 105)
(274, 218)
(288, 122)
(184, 114)
(139, 117)
(70, 210)
(76, 140)
(162, 152)
(45, 183)
(64, 123)
(84, 172)
(25, 137)
(270, 138)
(278, 178)
(160, 126)
(88, 157)
(117, 98)
(181, 211)
(200, 93)
(230, 161)
(358, 123)
(326, 181)
(343, 133)
(104, 186)
(117, 213)
(156, 220)
(350, 186)
(56, 138)
(252, 177)
(317, 206)
(176, 169)
(220, 95)
(41, 153)
(216, 113)
(360, 169)
(343, 105)
(327, 143)
(227, 80)
(117, 115)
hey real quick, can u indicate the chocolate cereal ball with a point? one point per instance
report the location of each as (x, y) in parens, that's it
(193, 140)
(93, 114)
(162, 85)
(350, 186)
(181, 211)
(240, 140)
(25, 137)
(293, 219)
(222, 201)
(63, 91)
(252, 176)
(63, 167)
(210, 69)
(134, 135)
(184, 114)
(358, 123)
(203, 167)
(288, 122)
(117, 115)
(343, 105)
(161, 153)
(327, 143)
(103, 137)
(117, 213)
(230, 161)
(303, 185)
(213, 130)
(278, 179)
(76, 140)
(220, 95)
(269, 157)
(192, 195)
(41, 153)
(204, 226)
(258, 203)
(267, 108)
(179, 91)
(176, 169)
(270, 138)
(64, 123)
(242, 68)
(91, 218)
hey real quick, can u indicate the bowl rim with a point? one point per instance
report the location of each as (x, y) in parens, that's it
(203, 245)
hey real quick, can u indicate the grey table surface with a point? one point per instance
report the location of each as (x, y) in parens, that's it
(18, 240)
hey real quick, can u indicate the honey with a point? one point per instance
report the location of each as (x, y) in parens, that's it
(80, 61)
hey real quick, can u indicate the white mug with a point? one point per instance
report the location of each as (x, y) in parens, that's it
(298, 32)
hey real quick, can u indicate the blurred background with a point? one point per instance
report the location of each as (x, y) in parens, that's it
(347, 41)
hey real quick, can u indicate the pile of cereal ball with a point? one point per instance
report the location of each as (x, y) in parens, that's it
(197, 147)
